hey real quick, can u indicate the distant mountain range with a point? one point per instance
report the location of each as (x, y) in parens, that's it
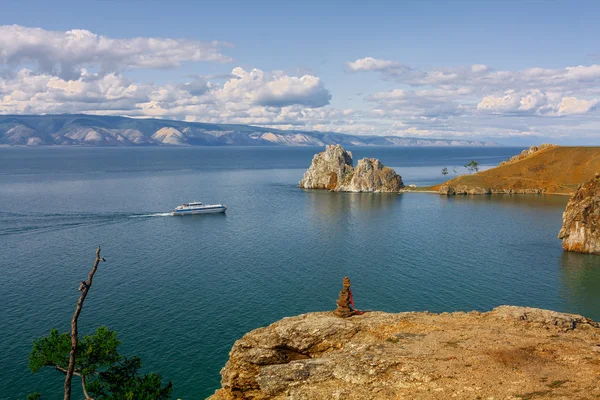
(92, 130)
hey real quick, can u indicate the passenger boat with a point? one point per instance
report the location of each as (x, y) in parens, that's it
(195, 207)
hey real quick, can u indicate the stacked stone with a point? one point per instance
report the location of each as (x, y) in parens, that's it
(343, 303)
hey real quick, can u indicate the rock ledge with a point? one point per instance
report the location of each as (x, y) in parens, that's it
(508, 353)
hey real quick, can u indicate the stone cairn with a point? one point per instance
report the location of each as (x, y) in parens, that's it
(343, 303)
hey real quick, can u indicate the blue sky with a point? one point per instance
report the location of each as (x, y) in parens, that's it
(429, 68)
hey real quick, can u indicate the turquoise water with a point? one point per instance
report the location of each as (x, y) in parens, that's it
(181, 290)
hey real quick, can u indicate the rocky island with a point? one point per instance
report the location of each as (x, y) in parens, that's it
(580, 231)
(333, 170)
(508, 353)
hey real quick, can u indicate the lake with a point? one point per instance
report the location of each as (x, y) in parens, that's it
(180, 290)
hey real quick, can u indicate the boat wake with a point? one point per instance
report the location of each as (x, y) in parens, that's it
(168, 214)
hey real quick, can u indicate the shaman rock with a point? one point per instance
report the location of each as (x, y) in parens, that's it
(328, 169)
(580, 231)
(370, 175)
(333, 170)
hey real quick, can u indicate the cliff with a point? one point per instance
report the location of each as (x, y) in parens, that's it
(333, 170)
(580, 231)
(508, 353)
(543, 169)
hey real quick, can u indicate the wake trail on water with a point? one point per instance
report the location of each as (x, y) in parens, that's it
(151, 215)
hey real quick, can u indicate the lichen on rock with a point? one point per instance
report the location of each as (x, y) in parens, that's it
(333, 170)
(580, 230)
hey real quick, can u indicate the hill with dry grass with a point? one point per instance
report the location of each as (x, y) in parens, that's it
(545, 169)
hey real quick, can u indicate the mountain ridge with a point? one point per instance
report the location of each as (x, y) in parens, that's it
(96, 130)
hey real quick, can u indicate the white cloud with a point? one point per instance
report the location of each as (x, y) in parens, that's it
(66, 52)
(274, 89)
(574, 106)
(536, 102)
(374, 64)
(248, 97)
(482, 78)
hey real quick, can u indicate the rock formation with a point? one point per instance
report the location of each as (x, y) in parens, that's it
(508, 353)
(370, 175)
(527, 152)
(328, 169)
(343, 303)
(477, 190)
(332, 170)
(580, 231)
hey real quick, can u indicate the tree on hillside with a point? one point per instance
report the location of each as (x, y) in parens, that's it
(104, 373)
(444, 171)
(472, 166)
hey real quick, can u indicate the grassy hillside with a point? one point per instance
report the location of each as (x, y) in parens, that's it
(555, 170)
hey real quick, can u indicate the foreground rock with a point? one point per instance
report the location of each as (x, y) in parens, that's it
(332, 170)
(580, 231)
(508, 353)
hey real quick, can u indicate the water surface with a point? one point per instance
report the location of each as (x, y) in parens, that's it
(181, 290)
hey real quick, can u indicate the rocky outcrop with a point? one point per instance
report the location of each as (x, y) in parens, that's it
(477, 190)
(328, 169)
(527, 152)
(333, 170)
(370, 175)
(508, 353)
(580, 231)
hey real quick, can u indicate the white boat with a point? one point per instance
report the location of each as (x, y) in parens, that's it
(195, 207)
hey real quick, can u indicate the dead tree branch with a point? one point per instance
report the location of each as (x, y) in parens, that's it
(84, 288)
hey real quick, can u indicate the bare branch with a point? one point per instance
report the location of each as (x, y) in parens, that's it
(85, 393)
(84, 287)
(64, 371)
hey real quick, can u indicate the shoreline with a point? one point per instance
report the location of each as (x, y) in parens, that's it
(487, 194)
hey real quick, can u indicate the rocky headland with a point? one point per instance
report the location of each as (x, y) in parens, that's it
(333, 170)
(546, 169)
(508, 353)
(527, 152)
(580, 231)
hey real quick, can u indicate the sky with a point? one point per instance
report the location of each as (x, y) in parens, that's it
(512, 71)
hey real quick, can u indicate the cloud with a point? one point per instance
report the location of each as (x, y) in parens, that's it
(538, 103)
(374, 64)
(480, 77)
(256, 96)
(66, 52)
(274, 89)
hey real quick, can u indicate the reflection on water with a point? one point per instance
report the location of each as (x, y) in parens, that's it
(580, 276)
(333, 203)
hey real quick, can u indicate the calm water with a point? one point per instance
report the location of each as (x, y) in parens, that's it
(181, 290)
